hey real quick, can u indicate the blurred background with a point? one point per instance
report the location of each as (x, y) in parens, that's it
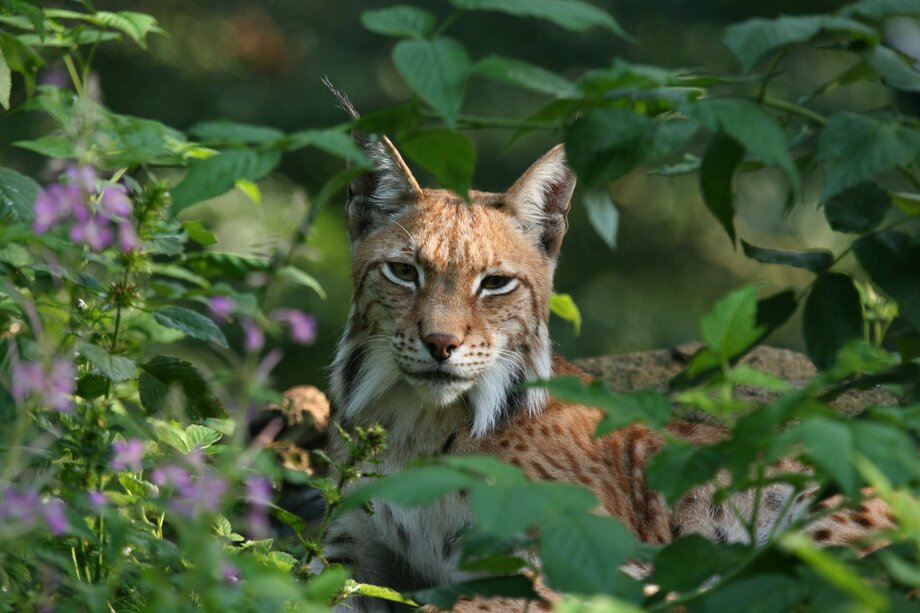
(262, 63)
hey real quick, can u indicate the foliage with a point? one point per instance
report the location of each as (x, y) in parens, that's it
(128, 481)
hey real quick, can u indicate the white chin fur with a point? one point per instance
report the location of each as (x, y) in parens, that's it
(440, 394)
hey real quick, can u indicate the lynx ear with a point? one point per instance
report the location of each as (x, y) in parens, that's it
(541, 198)
(383, 191)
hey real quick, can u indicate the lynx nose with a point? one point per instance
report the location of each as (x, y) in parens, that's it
(440, 346)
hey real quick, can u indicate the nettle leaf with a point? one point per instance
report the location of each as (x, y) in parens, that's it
(17, 195)
(191, 323)
(880, 9)
(673, 573)
(752, 39)
(680, 466)
(230, 132)
(858, 209)
(449, 156)
(606, 144)
(895, 69)
(833, 316)
(763, 593)
(816, 261)
(136, 25)
(829, 444)
(751, 126)
(854, 147)
(198, 233)
(6, 82)
(525, 75)
(445, 597)
(114, 367)
(892, 260)
(570, 14)
(215, 264)
(506, 509)
(603, 214)
(50, 145)
(295, 275)
(437, 70)
(717, 174)
(731, 326)
(162, 374)
(412, 487)
(907, 202)
(582, 553)
(218, 174)
(620, 410)
(335, 142)
(201, 436)
(399, 20)
(564, 307)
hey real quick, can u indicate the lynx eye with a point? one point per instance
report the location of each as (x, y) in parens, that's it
(497, 284)
(404, 273)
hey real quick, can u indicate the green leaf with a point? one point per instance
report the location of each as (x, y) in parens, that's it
(907, 202)
(880, 9)
(673, 573)
(833, 316)
(895, 68)
(449, 156)
(191, 323)
(858, 209)
(399, 20)
(717, 174)
(816, 261)
(295, 275)
(325, 586)
(829, 444)
(136, 25)
(446, 596)
(751, 126)
(495, 565)
(582, 553)
(115, 367)
(51, 146)
(230, 132)
(564, 307)
(525, 75)
(215, 264)
(216, 175)
(506, 509)
(6, 82)
(731, 326)
(680, 466)
(334, 142)
(201, 436)
(750, 40)
(437, 70)
(378, 591)
(856, 146)
(163, 373)
(198, 233)
(620, 410)
(892, 260)
(572, 15)
(91, 387)
(762, 593)
(603, 214)
(606, 144)
(17, 195)
(411, 487)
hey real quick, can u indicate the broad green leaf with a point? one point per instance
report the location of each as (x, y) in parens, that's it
(223, 132)
(829, 444)
(573, 15)
(731, 326)
(50, 145)
(17, 195)
(892, 260)
(880, 9)
(198, 233)
(324, 587)
(201, 436)
(437, 70)
(446, 596)
(752, 127)
(449, 156)
(606, 144)
(816, 261)
(506, 509)
(856, 146)
(620, 410)
(411, 487)
(216, 175)
(907, 202)
(564, 307)
(892, 449)
(495, 564)
(114, 367)
(378, 591)
(191, 323)
(136, 25)
(761, 593)
(6, 82)
(717, 176)
(295, 275)
(251, 189)
(399, 20)
(595, 604)
(857, 209)
(603, 214)
(215, 264)
(334, 142)
(91, 387)
(163, 373)
(833, 316)
(673, 573)
(525, 75)
(745, 375)
(582, 553)
(223, 528)
(750, 40)
(680, 466)
(895, 69)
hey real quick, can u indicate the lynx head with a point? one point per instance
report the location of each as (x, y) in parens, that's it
(451, 298)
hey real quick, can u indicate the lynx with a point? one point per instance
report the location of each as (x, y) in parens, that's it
(449, 317)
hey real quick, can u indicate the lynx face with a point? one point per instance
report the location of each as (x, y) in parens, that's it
(450, 298)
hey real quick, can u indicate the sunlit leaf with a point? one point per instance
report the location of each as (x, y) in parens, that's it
(603, 214)
(570, 14)
(399, 20)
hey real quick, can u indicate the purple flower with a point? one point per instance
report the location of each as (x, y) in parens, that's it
(128, 455)
(127, 237)
(231, 574)
(61, 385)
(115, 202)
(20, 505)
(302, 326)
(222, 307)
(203, 495)
(253, 337)
(27, 377)
(56, 76)
(55, 516)
(83, 177)
(259, 495)
(46, 212)
(98, 500)
(96, 233)
(172, 475)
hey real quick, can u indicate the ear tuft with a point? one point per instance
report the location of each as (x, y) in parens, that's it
(540, 200)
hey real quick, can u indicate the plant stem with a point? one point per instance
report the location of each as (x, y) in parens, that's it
(449, 21)
(74, 75)
(795, 109)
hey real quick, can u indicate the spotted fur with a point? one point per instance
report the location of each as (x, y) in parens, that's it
(461, 395)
